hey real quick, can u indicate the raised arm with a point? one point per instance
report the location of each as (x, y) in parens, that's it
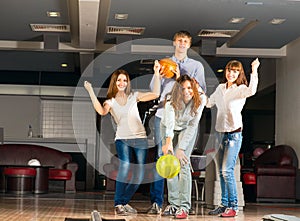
(147, 96)
(252, 87)
(102, 110)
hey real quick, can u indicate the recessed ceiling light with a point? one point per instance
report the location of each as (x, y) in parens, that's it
(121, 16)
(220, 70)
(277, 21)
(254, 3)
(53, 14)
(64, 65)
(236, 20)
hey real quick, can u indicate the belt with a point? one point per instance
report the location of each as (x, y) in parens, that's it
(235, 131)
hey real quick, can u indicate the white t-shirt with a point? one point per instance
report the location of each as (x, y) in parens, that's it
(127, 118)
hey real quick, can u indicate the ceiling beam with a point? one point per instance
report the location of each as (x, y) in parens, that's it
(68, 47)
(224, 51)
(39, 46)
(102, 21)
(73, 10)
(241, 33)
(88, 23)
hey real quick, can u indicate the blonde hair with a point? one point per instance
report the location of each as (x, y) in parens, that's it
(182, 34)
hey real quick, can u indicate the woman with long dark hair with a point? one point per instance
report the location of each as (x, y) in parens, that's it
(130, 138)
(179, 127)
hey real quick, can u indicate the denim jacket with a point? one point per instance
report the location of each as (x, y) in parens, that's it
(182, 121)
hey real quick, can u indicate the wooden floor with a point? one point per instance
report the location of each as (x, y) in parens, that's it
(58, 206)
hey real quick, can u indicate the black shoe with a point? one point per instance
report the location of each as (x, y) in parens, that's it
(192, 211)
(170, 210)
(220, 209)
(154, 209)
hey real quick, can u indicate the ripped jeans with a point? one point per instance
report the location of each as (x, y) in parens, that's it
(230, 145)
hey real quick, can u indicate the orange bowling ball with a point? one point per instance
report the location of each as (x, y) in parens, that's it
(168, 66)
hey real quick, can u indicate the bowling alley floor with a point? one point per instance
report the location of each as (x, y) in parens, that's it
(58, 206)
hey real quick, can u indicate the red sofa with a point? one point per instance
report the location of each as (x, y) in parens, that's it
(276, 170)
(63, 169)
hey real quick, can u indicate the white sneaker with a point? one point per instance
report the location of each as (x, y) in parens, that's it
(129, 209)
(120, 210)
(154, 209)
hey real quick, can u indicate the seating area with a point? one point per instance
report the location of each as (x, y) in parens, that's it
(54, 165)
(276, 171)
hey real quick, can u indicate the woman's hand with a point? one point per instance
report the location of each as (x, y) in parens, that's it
(255, 64)
(177, 72)
(156, 67)
(167, 148)
(181, 157)
(88, 86)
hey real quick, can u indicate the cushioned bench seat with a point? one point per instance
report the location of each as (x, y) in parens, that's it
(19, 180)
(60, 174)
(61, 166)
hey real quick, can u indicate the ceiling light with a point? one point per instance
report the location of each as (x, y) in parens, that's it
(53, 14)
(64, 65)
(236, 20)
(277, 21)
(254, 3)
(220, 70)
(121, 16)
(242, 33)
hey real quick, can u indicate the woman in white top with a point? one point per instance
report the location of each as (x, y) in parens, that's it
(130, 138)
(230, 97)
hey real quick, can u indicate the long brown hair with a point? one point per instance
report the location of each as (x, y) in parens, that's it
(112, 89)
(238, 65)
(176, 94)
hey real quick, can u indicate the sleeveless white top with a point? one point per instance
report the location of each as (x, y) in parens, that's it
(127, 118)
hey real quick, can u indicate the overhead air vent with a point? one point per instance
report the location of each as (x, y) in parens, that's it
(217, 33)
(147, 61)
(50, 27)
(125, 30)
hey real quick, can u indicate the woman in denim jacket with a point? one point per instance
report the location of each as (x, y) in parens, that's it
(179, 127)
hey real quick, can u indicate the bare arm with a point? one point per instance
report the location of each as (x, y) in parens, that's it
(168, 147)
(147, 96)
(102, 110)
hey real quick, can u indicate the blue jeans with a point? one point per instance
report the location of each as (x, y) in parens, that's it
(157, 187)
(132, 157)
(230, 145)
